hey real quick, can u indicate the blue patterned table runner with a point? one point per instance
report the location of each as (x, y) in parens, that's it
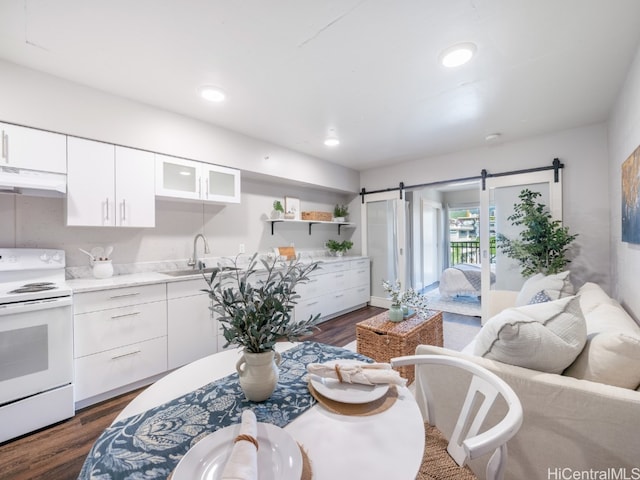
(150, 445)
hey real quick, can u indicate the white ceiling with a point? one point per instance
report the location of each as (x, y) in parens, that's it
(293, 69)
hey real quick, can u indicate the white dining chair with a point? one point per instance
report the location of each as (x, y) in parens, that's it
(467, 442)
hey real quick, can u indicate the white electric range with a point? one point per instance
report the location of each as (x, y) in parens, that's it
(36, 341)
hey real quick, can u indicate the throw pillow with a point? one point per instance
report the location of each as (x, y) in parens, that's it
(544, 336)
(540, 297)
(555, 286)
(612, 358)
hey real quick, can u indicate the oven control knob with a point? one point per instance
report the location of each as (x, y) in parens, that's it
(45, 257)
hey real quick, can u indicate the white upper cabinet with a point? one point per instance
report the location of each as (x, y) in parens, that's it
(135, 188)
(191, 180)
(33, 149)
(108, 185)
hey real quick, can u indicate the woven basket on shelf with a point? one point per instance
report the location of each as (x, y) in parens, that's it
(319, 216)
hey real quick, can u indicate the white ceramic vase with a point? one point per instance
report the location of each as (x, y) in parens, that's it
(259, 374)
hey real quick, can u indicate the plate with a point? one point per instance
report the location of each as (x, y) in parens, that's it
(279, 456)
(332, 389)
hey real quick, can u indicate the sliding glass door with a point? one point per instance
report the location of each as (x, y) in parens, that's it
(384, 220)
(496, 204)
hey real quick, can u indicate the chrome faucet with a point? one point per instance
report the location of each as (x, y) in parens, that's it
(193, 261)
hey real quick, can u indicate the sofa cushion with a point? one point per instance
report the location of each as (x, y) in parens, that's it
(591, 296)
(553, 286)
(609, 357)
(612, 352)
(543, 336)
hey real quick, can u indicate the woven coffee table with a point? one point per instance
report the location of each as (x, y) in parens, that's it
(382, 340)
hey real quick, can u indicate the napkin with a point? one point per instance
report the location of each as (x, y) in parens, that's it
(363, 373)
(243, 461)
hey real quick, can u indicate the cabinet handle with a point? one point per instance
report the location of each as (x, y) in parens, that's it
(106, 202)
(312, 303)
(132, 314)
(5, 146)
(124, 210)
(207, 184)
(200, 187)
(340, 295)
(124, 295)
(341, 275)
(115, 357)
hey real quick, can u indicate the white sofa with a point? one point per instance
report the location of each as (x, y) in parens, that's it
(570, 424)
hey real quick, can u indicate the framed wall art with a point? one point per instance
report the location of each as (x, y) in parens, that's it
(292, 208)
(631, 198)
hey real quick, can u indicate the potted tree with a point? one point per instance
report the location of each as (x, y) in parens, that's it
(339, 248)
(340, 213)
(254, 307)
(543, 243)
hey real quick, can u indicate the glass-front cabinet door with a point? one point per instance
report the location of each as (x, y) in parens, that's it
(221, 184)
(177, 177)
(188, 179)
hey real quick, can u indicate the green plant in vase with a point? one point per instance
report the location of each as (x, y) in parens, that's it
(339, 248)
(340, 212)
(254, 307)
(399, 300)
(278, 210)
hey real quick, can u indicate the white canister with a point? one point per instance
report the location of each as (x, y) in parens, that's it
(102, 268)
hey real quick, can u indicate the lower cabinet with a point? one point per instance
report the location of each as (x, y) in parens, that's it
(126, 337)
(120, 337)
(105, 371)
(335, 288)
(192, 327)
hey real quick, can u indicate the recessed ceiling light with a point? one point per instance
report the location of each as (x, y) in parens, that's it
(332, 139)
(211, 93)
(492, 137)
(457, 54)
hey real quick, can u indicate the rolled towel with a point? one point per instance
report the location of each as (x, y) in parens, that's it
(363, 373)
(243, 461)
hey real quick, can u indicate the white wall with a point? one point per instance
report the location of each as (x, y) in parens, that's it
(624, 138)
(585, 183)
(39, 100)
(39, 222)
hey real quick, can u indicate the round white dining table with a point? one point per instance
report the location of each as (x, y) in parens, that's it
(384, 446)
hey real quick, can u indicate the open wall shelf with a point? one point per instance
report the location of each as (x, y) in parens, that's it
(310, 223)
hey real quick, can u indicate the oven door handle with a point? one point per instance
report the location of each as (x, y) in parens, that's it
(34, 305)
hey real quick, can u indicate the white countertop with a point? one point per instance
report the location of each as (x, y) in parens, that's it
(79, 285)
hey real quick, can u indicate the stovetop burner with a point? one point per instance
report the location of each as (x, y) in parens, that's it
(35, 287)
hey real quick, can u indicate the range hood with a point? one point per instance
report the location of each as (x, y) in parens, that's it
(30, 182)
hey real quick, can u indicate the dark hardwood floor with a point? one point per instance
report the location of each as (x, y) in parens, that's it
(58, 452)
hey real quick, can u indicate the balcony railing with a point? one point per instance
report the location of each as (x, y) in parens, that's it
(469, 251)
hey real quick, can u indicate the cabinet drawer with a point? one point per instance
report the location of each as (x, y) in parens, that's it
(99, 331)
(99, 373)
(328, 267)
(336, 281)
(307, 308)
(360, 264)
(186, 288)
(359, 276)
(118, 297)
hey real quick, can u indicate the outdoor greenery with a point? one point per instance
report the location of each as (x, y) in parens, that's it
(335, 246)
(255, 304)
(543, 243)
(340, 210)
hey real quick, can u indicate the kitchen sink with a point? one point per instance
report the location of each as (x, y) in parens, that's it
(193, 271)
